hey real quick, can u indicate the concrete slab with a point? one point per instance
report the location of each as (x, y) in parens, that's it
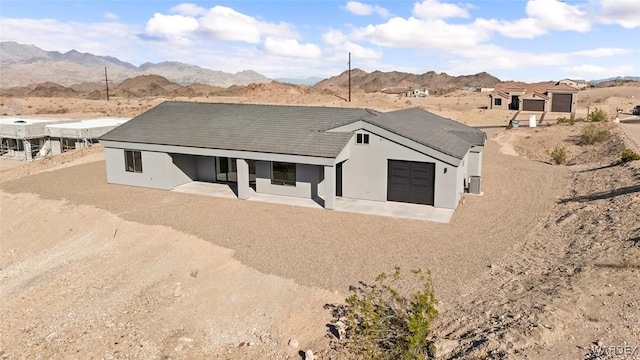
(379, 208)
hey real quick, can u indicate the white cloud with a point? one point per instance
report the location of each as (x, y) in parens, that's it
(361, 9)
(189, 9)
(174, 25)
(110, 16)
(174, 28)
(224, 23)
(425, 34)
(626, 13)
(434, 9)
(543, 16)
(291, 48)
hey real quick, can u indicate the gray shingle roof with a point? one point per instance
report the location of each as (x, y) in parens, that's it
(294, 130)
(439, 133)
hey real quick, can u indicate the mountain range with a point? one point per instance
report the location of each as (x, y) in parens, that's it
(22, 65)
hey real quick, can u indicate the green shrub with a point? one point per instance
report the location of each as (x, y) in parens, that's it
(629, 155)
(559, 155)
(597, 115)
(593, 134)
(509, 126)
(392, 318)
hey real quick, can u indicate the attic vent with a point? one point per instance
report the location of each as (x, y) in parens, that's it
(19, 122)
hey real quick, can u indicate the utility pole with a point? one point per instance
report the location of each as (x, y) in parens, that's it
(349, 77)
(106, 82)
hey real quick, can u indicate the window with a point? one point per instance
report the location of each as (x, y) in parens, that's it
(362, 138)
(498, 102)
(283, 173)
(133, 161)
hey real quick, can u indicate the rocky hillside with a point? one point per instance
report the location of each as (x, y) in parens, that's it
(22, 65)
(436, 83)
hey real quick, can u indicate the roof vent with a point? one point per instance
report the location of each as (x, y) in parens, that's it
(19, 122)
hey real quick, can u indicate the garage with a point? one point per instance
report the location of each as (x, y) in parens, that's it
(561, 102)
(532, 105)
(411, 182)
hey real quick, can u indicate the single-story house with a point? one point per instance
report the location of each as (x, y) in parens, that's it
(408, 155)
(559, 98)
(578, 84)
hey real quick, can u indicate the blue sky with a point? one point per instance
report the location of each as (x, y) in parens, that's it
(534, 40)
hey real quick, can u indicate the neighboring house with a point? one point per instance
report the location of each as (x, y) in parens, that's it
(559, 98)
(482, 90)
(28, 139)
(407, 155)
(417, 93)
(25, 139)
(70, 136)
(578, 84)
(499, 100)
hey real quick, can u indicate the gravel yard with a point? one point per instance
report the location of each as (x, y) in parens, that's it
(329, 249)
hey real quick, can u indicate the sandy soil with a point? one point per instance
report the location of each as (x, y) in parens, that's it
(466, 107)
(544, 265)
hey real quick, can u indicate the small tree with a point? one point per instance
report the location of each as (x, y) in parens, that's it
(597, 115)
(392, 318)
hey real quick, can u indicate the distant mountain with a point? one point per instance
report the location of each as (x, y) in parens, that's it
(22, 65)
(308, 81)
(617, 78)
(436, 83)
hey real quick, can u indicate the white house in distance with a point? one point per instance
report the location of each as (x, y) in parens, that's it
(29, 138)
(409, 155)
(578, 84)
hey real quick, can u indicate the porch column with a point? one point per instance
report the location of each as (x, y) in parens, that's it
(329, 187)
(242, 167)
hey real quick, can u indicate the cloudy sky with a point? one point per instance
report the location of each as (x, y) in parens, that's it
(530, 40)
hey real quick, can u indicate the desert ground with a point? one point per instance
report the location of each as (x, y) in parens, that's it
(544, 265)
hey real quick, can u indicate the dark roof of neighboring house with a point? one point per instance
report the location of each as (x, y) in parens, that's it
(439, 133)
(281, 129)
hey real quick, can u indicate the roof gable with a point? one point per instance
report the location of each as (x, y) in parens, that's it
(444, 135)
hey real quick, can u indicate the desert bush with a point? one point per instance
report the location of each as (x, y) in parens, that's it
(392, 318)
(597, 115)
(593, 134)
(509, 126)
(559, 155)
(564, 120)
(629, 155)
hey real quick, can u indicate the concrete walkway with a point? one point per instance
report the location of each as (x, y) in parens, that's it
(380, 208)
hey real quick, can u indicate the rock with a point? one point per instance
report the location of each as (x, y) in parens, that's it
(294, 343)
(308, 355)
(251, 343)
(177, 292)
